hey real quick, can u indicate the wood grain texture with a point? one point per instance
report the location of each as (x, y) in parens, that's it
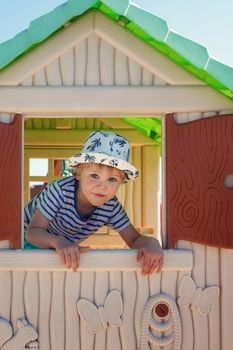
(45, 301)
(94, 260)
(129, 294)
(109, 100)
(213, 278)
(17, 309)
(57, 317)
(31, 297)
(11, 180)
(113, 340)
(199, 158)
(200, 322)
(72, 323)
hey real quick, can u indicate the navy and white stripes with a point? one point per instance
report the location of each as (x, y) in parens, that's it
(57, 202)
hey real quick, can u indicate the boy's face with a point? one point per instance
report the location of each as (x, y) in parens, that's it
(98, 183)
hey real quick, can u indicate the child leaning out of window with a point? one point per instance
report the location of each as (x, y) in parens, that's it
(69, 210)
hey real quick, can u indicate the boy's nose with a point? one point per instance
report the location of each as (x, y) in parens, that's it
(103, 184)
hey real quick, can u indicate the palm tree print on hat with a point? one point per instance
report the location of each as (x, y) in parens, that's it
(129, 173)
(95, 143)
(105, 134)
(120, 141)
(113, 162)
(89, 159)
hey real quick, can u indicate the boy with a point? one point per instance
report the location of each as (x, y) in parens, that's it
(69, 210)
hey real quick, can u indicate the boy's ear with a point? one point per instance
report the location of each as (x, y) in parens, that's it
(78, 171)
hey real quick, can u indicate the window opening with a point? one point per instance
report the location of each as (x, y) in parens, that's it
(47, 148)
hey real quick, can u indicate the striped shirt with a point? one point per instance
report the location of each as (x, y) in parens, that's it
(57, 202)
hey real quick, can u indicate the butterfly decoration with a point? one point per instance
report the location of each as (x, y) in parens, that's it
(202, 299)
(95, 316)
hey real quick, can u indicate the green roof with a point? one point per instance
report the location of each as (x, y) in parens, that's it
(150, 28)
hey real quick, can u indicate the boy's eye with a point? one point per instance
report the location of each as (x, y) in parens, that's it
(112, 179)
(94, 176)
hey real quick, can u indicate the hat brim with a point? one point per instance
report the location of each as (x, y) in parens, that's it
(99, 158)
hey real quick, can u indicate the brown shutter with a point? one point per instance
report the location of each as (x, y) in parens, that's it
(199, 156)
(11, 181)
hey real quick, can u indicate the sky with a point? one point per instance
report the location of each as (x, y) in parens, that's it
(207, 22)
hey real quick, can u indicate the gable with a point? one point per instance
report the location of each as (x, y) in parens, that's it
(94, 50)
(150, 28)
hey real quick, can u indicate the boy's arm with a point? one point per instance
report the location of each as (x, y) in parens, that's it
(38, 235)
(150, 254)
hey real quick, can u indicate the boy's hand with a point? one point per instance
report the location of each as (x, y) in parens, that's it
(150, 253)
(150, 256)
(69, 252)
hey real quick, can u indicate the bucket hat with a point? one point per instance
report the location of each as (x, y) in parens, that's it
(107, 148)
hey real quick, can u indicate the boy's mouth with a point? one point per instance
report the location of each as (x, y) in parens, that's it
(101, 195)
